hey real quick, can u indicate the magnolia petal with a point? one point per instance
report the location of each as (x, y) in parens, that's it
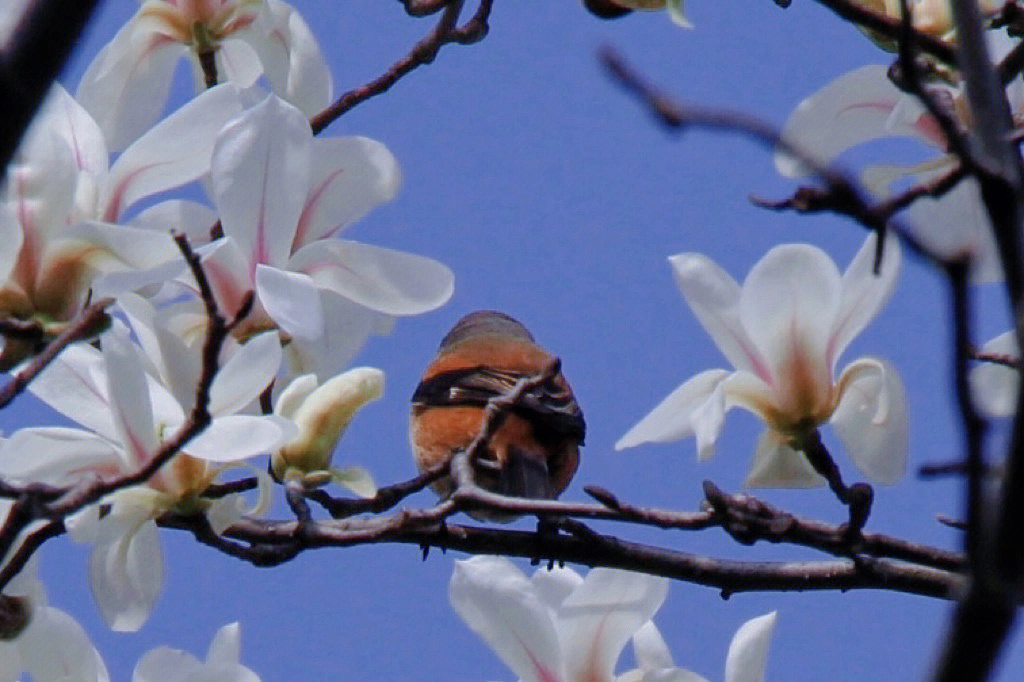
(246, 374)
(714, 297)
(498, 603)
(671, 419)
(789, 302)
(863, 292)
(260, 178)
(349, 177)
(777, 465)
(994, 386)
(226, 646)
(748, 651)
(849, 111)
(61, 114)
(292, 59)
(109, 247)
(871, 419)
(57, 455)
(597, 620)
(294, 394)
(347, 327)
(126, 571)
(125, 86)
(55, 647)
(650, 650)
(665, 675)
(237, 63)
(177, 364)
(179, 216)
(355, 478)
(41, 191)
(175, 151)
(555, 584)
(11, 666)
(10, 234)
(225, 511)
(675, 13)
(384, 280)
(129, 397)
(164, 664)
(75, 385)
(236, 437)
(292, 300)
(228, 272)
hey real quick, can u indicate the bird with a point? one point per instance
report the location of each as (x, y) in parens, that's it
(535, 450)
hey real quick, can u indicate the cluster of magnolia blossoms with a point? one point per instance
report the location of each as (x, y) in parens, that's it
(560, 627)
(79, 224)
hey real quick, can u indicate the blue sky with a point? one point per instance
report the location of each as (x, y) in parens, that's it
(553, 197)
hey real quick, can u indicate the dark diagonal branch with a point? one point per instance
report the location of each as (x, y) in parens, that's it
(32, 59)
(446, 31)
(85, 326)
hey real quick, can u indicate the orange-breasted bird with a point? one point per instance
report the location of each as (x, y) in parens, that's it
(535, 451)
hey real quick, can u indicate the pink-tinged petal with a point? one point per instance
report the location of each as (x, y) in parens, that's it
(498, 603)
(292, 300)
(237, 63)
(347, 327)
(748, 651)
(58, 456)
(192, 219)
(173, 152)
(129, 396)
(61, 114)
(993, 386)
(863, 293)
(260, 178)
(237, 437)
(350, 176)
(126, 570)
(777, 465)
(871, 419)
(55, 647)
(292, 58)
(384, 280)
(555, 584)
(40, 190)
(75, 384)
(851, 110)
(227, 270)
(125, 86)
(672, 418)
(789, 302)
(597, 620)
(246, 374)
(714, 297)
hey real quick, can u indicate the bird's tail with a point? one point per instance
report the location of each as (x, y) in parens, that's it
(525, 475)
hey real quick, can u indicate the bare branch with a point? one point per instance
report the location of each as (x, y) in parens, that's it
(446, 31)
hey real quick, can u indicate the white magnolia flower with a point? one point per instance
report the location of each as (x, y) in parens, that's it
(283, 197)
(862, 106)
(557, 626)
(745, 662)
(52, 647)
(126, 86)
(165, 664)
(994, 386)
(933, 17)
(784, 331)
(62, 201)
(322, 413)
(127, 414)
